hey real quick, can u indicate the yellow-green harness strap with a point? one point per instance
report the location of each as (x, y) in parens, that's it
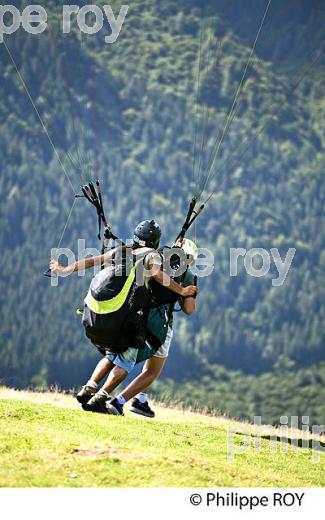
(114, 304)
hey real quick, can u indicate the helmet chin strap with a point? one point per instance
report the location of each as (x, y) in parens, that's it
(138, 242)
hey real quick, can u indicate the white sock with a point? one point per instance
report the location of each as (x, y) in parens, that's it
(143, 398)
(103, 392)
(92, 384)
(121, 399)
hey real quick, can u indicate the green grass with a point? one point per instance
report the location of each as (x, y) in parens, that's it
(47, 441)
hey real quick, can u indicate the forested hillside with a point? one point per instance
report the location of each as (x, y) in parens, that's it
(132, 111)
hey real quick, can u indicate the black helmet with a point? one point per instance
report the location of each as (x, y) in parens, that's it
(148, 234)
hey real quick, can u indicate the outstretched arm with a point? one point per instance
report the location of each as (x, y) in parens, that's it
(86, 263)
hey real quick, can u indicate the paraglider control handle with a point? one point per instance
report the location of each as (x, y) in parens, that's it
(48, 275)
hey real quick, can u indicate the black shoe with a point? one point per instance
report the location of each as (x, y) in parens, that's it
(114, 407)
(142, 408)
(97, 403)
(85, 394)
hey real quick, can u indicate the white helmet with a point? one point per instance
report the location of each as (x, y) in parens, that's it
(189, 248)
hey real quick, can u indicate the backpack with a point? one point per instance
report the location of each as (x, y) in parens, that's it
(114, 305)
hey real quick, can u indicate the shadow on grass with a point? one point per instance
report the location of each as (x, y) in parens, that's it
(313, 444)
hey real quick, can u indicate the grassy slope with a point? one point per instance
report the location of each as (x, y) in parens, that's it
(46, 440)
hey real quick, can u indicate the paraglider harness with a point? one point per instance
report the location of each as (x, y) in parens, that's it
(119, 296)
(114, 292)
(128, 321)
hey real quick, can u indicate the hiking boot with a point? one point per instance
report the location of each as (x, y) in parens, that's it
(85, 394)
(97, 403)
(114, 407)
(141, 408)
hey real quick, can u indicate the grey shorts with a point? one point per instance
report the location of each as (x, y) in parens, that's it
(163, 351)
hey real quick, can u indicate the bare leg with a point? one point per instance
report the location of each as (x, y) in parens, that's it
(116, 376)
(101, 370)
(150, 372)
(87, 393)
